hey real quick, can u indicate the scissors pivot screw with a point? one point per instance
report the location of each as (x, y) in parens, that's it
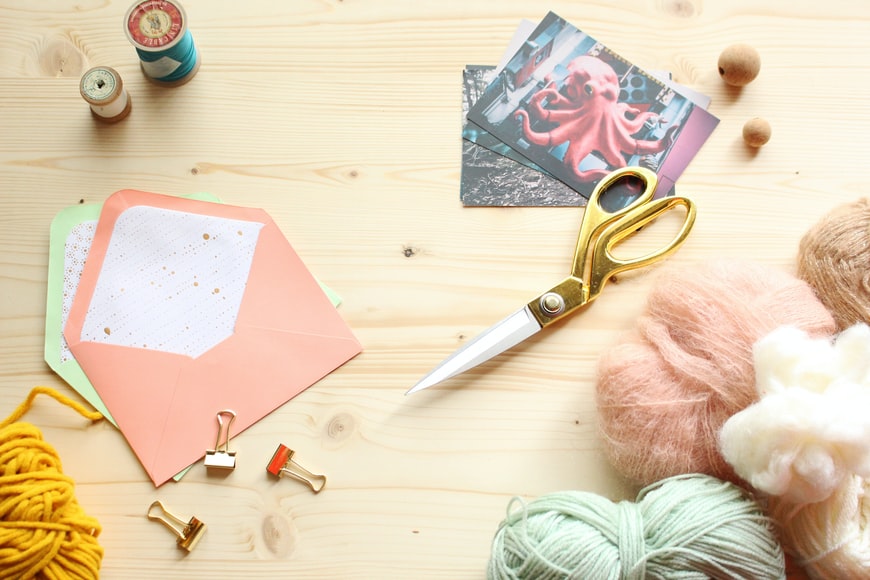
(552, 304)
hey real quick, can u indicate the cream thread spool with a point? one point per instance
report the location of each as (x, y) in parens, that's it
(104, 91)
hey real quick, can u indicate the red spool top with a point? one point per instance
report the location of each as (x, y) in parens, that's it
(155, 25)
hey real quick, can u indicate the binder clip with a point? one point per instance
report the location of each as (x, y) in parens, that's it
(189, 533)
(221, 457)
(282, 464)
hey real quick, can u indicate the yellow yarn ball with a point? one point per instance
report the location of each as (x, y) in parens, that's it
(44, 533)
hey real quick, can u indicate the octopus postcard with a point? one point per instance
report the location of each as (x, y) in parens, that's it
(493, 174)
(578, 110)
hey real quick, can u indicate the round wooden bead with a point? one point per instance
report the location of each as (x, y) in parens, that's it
(756, 132)
(739, 64)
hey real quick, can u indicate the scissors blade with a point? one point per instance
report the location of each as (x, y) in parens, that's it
(506, 334)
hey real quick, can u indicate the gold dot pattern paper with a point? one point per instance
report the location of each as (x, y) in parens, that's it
(171, 281)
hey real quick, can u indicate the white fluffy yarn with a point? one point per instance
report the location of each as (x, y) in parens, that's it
(806, 443)
(811, 428)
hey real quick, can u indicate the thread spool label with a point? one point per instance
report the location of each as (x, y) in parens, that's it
(99, 86)
(103, 89)
(162, 67)
(155, 24)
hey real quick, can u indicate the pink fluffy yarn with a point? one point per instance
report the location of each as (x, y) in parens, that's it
(667, 388)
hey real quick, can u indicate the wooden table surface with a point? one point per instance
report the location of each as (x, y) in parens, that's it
(341, 118)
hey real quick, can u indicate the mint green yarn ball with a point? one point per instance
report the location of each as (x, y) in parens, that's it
(684, 527)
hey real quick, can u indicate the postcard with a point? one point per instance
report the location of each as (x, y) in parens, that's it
(578, 110)
(493, 174)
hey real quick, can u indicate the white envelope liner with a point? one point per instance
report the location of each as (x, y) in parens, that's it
(76, 247)
(171, 281)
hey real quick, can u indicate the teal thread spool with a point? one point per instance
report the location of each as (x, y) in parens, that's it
(158, 31)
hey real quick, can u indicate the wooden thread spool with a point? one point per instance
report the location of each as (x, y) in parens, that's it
(103, 89)
(158, 31)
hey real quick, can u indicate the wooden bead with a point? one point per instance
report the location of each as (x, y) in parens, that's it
(756, 132)
(739, 64)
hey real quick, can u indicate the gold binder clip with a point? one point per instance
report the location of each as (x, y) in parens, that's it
(221, 457)
(282, 464)
(189, 533)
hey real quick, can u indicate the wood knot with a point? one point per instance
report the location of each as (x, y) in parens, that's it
(279, 535)
(59, 57)
(409, 251)
(679, 8)
(340, 427)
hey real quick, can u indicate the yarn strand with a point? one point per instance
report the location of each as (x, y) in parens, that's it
(63, 399)
(44, 533)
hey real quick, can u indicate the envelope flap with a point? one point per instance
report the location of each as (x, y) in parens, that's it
(252, 390)
(138, 406)
(278, 278)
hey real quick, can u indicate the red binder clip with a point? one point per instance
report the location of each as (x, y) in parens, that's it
(282, 464)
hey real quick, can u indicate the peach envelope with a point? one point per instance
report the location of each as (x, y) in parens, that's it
(185, 308)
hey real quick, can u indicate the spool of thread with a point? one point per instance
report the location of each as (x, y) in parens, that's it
(665, 390)
(158, 31)
(44, 532)
(691, 526)
(834, 258)
(104, 91)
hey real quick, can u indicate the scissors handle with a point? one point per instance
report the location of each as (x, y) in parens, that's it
(596, 216)
(605, 265)
(601, 230)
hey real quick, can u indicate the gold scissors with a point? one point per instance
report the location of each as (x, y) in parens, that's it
(604, 225)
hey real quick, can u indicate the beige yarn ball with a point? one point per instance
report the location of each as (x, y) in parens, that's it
(834, 259)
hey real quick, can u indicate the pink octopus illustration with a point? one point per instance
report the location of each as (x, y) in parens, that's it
(589, 116)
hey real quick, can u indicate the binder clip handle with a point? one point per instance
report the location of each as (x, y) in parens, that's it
(282, 464)
(189, 533)
(221, 457)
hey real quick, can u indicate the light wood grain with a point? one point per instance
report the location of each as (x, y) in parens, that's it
(341, 119)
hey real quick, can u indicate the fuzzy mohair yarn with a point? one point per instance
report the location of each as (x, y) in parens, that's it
(688, 527)
(834, 258)
(665, 390)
